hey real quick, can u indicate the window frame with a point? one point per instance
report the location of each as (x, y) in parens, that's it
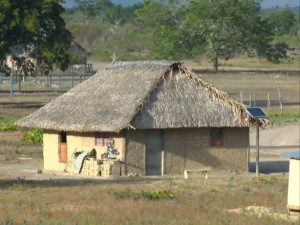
(216, 137)
(101, 139)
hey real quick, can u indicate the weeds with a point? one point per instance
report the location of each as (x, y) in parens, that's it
(272, 180)
(8, 126)
(151, 195)
(283, 117)
(35, 136)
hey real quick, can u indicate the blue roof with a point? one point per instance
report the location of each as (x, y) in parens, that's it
(295, 154)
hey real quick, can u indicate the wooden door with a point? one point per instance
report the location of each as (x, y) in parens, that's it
(154, 146)
(63, 150)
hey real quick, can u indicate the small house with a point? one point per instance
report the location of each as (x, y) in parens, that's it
(161, 116)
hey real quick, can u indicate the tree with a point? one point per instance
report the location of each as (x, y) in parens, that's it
(38, 29)
(282, 21)
(217, 28)
(164, 22)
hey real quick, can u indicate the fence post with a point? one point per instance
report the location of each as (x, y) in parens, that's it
(0, 81)
(241, 97)
(280, 98)
(19, 80)
(254, 96)
(50, 80)
(72, 78)
(11, 85)
(268, 102)
(59, 79)
(250, 101)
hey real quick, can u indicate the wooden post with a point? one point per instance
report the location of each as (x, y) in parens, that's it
(241, 97)
(280, 98)
(254, 96)
(250, 101)
(257, 148)
(162, 162)
(268, 102)
(0, 81)
(50, 80)
(72, 78)
(19, 80)
(59, 79)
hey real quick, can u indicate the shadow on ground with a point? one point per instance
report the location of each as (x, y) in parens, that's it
(268, 167)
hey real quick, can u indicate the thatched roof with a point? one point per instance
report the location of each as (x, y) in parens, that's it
(143, 94)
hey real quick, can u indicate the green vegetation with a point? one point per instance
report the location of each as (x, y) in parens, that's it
(171, 30)
(8, 126)
(151, 195)
(35, 29)
(34, 136)
(148, 30)
(282, 118)
(112, 202)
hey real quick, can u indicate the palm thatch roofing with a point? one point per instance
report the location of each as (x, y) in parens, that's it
(140, 95)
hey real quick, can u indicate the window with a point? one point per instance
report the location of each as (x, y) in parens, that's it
(216, 137)
(63, 137)
(101, 139)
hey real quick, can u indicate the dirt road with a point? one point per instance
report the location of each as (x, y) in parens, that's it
(274, 142)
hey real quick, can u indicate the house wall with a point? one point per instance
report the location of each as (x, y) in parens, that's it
(76, 142)
(50, 150)
(135, 152)
(190, 148)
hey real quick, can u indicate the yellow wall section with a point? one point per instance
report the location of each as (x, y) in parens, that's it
(76, 142)
(50, 151)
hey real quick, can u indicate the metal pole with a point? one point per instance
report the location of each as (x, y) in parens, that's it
(11, 86)
(162, 162)
(248, 159)
(257, 148)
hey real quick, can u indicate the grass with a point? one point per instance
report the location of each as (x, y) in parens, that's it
(193, 201)
(283, 118)
(84, 202)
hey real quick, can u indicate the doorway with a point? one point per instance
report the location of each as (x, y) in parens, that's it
(154, 147)
(63, 150)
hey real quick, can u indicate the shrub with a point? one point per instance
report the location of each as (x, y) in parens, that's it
(35, 136)
(151, 195)
(8, 126)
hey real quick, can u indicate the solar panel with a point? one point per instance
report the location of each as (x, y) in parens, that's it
(256, 112)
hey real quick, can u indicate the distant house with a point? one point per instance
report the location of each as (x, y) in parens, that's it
(79, 56)
(163, 118)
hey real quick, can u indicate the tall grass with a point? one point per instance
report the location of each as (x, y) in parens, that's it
(283, 118)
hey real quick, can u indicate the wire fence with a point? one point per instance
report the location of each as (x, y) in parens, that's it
(56, 80)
